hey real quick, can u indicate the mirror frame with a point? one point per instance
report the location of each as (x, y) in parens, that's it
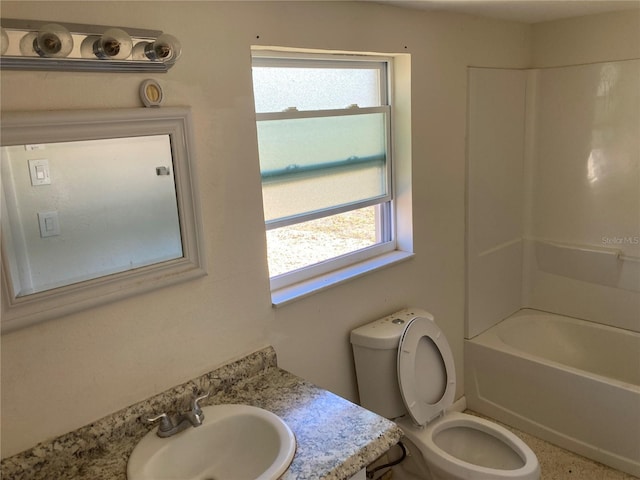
(22, 128)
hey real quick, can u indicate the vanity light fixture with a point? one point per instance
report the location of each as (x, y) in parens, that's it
(41, 45)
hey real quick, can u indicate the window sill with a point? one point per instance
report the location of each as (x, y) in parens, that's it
(291, 293)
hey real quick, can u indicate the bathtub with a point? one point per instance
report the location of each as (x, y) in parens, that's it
(571, 382)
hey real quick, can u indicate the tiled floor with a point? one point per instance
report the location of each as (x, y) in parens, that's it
(555, 463)
(559, 464)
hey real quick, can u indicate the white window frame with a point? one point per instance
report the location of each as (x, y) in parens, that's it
(302, 282)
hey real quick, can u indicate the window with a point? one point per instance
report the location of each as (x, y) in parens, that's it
(324, 141)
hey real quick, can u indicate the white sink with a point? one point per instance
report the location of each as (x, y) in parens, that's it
(235, 442)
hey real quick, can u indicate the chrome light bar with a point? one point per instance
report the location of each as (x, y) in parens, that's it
(42, 45)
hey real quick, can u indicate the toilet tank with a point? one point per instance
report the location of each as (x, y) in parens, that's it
(375, 352)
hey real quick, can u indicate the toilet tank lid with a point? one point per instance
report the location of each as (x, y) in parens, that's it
(384, 334)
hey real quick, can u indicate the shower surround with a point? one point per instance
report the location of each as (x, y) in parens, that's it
(553, 212)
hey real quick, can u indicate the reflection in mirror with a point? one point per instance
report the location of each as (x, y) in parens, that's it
(88, 209)
(107, 212)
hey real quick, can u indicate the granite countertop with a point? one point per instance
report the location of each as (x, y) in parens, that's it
(335, 438)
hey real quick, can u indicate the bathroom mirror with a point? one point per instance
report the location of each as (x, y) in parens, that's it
(96, 206)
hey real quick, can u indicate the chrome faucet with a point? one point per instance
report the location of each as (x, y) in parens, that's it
(172, 424)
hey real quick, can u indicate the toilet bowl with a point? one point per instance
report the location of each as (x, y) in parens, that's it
(405, 372)
(458, 445)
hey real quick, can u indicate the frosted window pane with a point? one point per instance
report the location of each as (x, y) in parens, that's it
(289, 198)
(276, 89)
(315, 141)
(316, 163)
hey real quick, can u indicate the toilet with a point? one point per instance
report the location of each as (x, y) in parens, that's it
(405, 372)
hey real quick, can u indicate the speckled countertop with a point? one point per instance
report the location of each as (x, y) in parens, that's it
(335, 438)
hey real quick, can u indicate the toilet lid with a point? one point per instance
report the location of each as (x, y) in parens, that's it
(426, 372)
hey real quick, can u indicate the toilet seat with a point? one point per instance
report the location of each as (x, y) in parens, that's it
(423, 348)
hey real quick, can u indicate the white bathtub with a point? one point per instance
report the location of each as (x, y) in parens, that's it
(571, 382)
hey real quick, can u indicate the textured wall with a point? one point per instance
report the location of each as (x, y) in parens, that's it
(64, 373)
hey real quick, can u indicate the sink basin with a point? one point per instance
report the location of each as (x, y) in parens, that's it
(235, 442)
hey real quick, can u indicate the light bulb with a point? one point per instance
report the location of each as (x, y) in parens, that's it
(53, 40)
(166, 48)
(139, 49)
(26, 45)
(4, 41)
(114, 44)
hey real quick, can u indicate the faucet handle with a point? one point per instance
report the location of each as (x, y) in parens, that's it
(195, 401)
(165, 422)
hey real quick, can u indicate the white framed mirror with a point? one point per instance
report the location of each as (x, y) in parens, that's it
(97, 205)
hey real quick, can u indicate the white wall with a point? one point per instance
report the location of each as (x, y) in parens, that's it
(580, 193)
(565, 236)
(576, 42)
(65, 373)
(585, 194)
(583, 40)
(495, 199)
